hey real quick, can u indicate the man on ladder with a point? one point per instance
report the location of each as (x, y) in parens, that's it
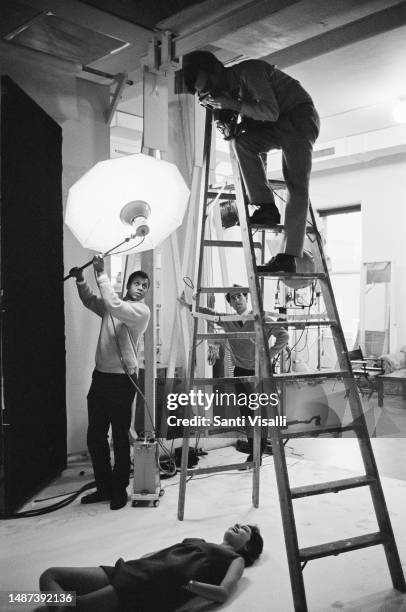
(292, 126)
(277, 113)
(243, 352)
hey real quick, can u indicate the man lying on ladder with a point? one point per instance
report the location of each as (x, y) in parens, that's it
(277, 113)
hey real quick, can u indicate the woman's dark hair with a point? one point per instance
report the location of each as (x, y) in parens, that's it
(253, 548)
(194, 62)
(139, 273)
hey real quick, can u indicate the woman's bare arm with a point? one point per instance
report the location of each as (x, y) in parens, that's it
(219, 593)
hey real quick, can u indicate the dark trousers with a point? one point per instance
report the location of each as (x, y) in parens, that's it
(245, 411)
(109, 403)
(294, 133)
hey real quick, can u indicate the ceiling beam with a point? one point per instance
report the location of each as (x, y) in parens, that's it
(233, 20)
(361, 29)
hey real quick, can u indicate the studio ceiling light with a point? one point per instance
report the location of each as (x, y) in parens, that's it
(134, 195)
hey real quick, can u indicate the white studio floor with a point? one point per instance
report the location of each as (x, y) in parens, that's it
(357, 581)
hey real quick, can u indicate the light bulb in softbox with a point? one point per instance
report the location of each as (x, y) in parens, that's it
(147, 194)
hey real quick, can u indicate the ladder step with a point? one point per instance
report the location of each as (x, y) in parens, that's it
(229, 192)
(213, 192)
(341, 546)
(317, 431)
(227, 336)
(331, 487)
(222, 318)
(262, 271)
(308, 317)
(222, 381)
(223, 289)
(220, 468)
(229, 243)
(365, 370)
(305, 323)
(277, 229)
(276, 377)
(311, 375)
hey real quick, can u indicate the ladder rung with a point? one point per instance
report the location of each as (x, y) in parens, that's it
(341, 546)
(305, 323)
(220, 468)
(229, 243)
(277, 229)
(317, 431)
(365, 370)
(262, 271)
(227, 336)
(213, 192)
(331, 487)
(311, 375)
(228, 192)
(308, 317)
(276, 377)
(223, 289)
(222, 381)
(222, 318)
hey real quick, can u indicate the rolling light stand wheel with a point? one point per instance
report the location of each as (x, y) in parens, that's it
(161, 492)
(156, 503)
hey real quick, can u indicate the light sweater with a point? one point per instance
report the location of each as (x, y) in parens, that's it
(129, 318)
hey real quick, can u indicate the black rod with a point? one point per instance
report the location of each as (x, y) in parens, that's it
(89, 263)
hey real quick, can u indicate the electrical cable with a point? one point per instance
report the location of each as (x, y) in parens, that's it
(312, 297)
(130, 248)
(275, 192)
(138, 390)
(188, 282)
(70, 497)
(288, 350)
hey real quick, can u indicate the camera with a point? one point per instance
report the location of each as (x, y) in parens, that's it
(227, 123)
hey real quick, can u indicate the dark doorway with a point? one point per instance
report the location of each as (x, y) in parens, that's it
(33, 415)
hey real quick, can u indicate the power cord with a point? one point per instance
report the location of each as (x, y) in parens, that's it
(130, 248)
(170, 471)
(70, 497)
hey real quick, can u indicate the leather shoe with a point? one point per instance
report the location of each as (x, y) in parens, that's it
(119, 500)
(267, 214)
(94, 498)
(281, 263)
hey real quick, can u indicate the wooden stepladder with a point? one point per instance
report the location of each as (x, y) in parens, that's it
(267, 381)
(262, 357)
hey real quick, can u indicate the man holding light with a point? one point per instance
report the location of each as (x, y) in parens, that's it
(114, 380)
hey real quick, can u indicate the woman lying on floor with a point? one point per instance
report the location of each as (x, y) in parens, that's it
(184, 577)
